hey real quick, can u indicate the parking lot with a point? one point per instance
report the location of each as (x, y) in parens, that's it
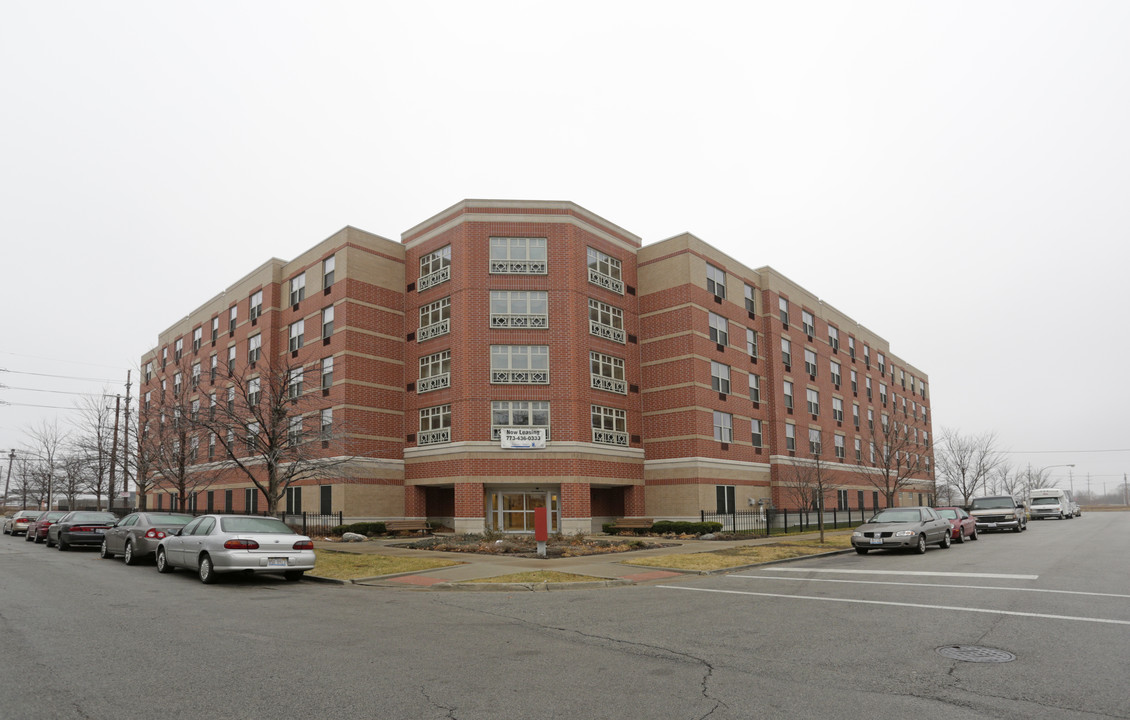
(842, 636)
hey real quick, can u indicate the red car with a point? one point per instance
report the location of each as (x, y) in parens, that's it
(37, 532)
(962, 524)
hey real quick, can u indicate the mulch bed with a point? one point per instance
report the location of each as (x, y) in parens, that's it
(526, 546)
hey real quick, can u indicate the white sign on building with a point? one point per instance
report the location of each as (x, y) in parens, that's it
(522, 438)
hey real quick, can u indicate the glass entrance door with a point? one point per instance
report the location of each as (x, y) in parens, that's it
(513, 511)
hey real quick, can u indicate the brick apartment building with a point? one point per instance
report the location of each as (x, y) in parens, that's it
(507, 355)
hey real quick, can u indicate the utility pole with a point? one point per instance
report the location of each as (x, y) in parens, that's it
(113, 454)
(125, 438)
(11, 459)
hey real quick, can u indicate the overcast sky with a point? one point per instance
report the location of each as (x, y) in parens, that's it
(953, 175)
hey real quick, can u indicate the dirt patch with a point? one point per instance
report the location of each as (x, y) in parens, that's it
(526, 546)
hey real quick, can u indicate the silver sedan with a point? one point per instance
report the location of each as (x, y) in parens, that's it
(135, 536)
(214, 544)
(902, 527)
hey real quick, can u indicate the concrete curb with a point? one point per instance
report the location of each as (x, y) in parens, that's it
(467, 586)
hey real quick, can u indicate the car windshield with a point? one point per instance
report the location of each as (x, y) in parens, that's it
(1045, 501)
(897, 516)
(254, 525)
(53, 515)
(94, 517)
(948, 514)
(170, 519)
(995, 503)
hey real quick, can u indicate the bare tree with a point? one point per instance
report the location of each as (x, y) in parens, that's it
(46, 444)
(893, 461)
(92, 441)
(26, 482)
(272, 430)
(967, 463)
(810, 480)
(74, 478)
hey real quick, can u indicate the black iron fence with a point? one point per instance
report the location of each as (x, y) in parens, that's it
(773, 521)
(312, 523)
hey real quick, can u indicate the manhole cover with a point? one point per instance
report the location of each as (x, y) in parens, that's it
(974, 653)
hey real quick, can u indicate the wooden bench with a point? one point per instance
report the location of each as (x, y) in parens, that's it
(399, 526)
(633, 523)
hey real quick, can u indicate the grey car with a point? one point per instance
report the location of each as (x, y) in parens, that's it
(901, 528)
(135, 536)
(214, 544)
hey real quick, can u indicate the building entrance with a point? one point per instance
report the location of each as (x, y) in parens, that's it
(513, 511)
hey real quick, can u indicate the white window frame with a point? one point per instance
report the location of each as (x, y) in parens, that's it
(723, 427)
(783, 308)
(329, 269)
(606, 321)
(756, 436)
(719, 328)
(519, 256)
(325, 423)
(837, 409)
(815, 444)
(838, 440)
(720, 377)
(808, 323)
(786, 352)
(606, 372)
(327, 321)
(750, 299)
(519, 364)
(835, 370)
(755, 388)
(435, 319)
(254, 347)
(255, 304)
(297, 334)
(812, 395)
(526, 309)
(294, 383)
(435, 372)
(787, 390)
(298, 288)
(435, 268)
(435, 425)
(605, 271)
(790, 437)
(609, 425)
(532, 410)
(751, 342)
(810, 362)
(716, 281)
(327, 372)
(834, 338)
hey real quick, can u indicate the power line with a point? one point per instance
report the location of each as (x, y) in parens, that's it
(58, 392)
(62, 377)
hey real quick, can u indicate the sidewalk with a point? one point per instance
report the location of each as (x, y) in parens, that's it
(609, 567)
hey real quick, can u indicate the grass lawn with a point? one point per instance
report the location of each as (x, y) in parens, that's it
(350, 566)
(745, 555)
(538, 576)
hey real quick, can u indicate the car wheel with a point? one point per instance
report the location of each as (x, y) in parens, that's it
(104, 552)
(27, 537)
(296, 575)
(46, 541)
(1018, 528)
(961, 536)
(945, 543)
(163, 565)
(920, 548)
(62, 545)
(128, 556)
(974, 535)
(862, 551)
(206, 572)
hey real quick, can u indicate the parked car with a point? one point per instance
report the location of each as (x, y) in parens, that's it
(1078, 511)
(1050, 503)
(79, 528)
(216, 544)
(903, 527)
(999, 512)
(37, 533)
(962, 524)
(135, 536)
(19, 522)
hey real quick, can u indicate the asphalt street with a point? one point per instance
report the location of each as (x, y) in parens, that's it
(845, 636)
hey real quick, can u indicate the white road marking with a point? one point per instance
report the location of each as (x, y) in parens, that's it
(899, 604)
(908, 572)
(935, 585)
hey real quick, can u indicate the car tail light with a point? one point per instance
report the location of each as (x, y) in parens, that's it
(304, 545)
(155, 534)
(241, 545)
(81, 528)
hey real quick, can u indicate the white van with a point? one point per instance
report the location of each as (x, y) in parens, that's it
(1050, 502)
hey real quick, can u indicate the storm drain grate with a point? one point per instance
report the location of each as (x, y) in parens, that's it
(974, 653)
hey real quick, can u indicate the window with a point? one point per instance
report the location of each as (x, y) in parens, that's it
(294, 430)
(327, 372)
(858, 450)
(720, 377)
(519, 364)
(435, 372)
(256, 304)
(435, 268)
(855, 414)
(726, 502)
(195, 375)
(149, 371)
(813, 401)
(518, 256)
(808, 322)
(834, 338)
(194, 411)
(164, 357)
(834, 367)
(837, 409)
(294, 383)
(723, 427)
(518, 413)
(297, 334)
(213, 365)
(327, 322)
(814, 442)
(882, 362)
(435, 425)
(719, 329)
(851, 347)
(790, 437)
(883, 393)
(252, 436)
(839, 444)
(867, 385)
(179, 351)
(751, 342)
(435, 320)
(607, 373)
(715, 281)
(854, 382)
(231, 360)
(298, 288)
(788, 388)
(252, 392)
(783, 304)
(328, 267)
(231, 400)
(230, 441)
(197, 338)
(193, 448)
(810, 362)
(326, 423)
(232, 315)
(604, 271)
(254, 344)
(842, 499)
(867, 356)
(177, 384)
(609, 426)
(519, 309)
(870, 419)
(606, 322)
(786, 352)
(148, 398)
(755, 425)
(212, 406)
(754, 388)
(211, 446)
(750, 304)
